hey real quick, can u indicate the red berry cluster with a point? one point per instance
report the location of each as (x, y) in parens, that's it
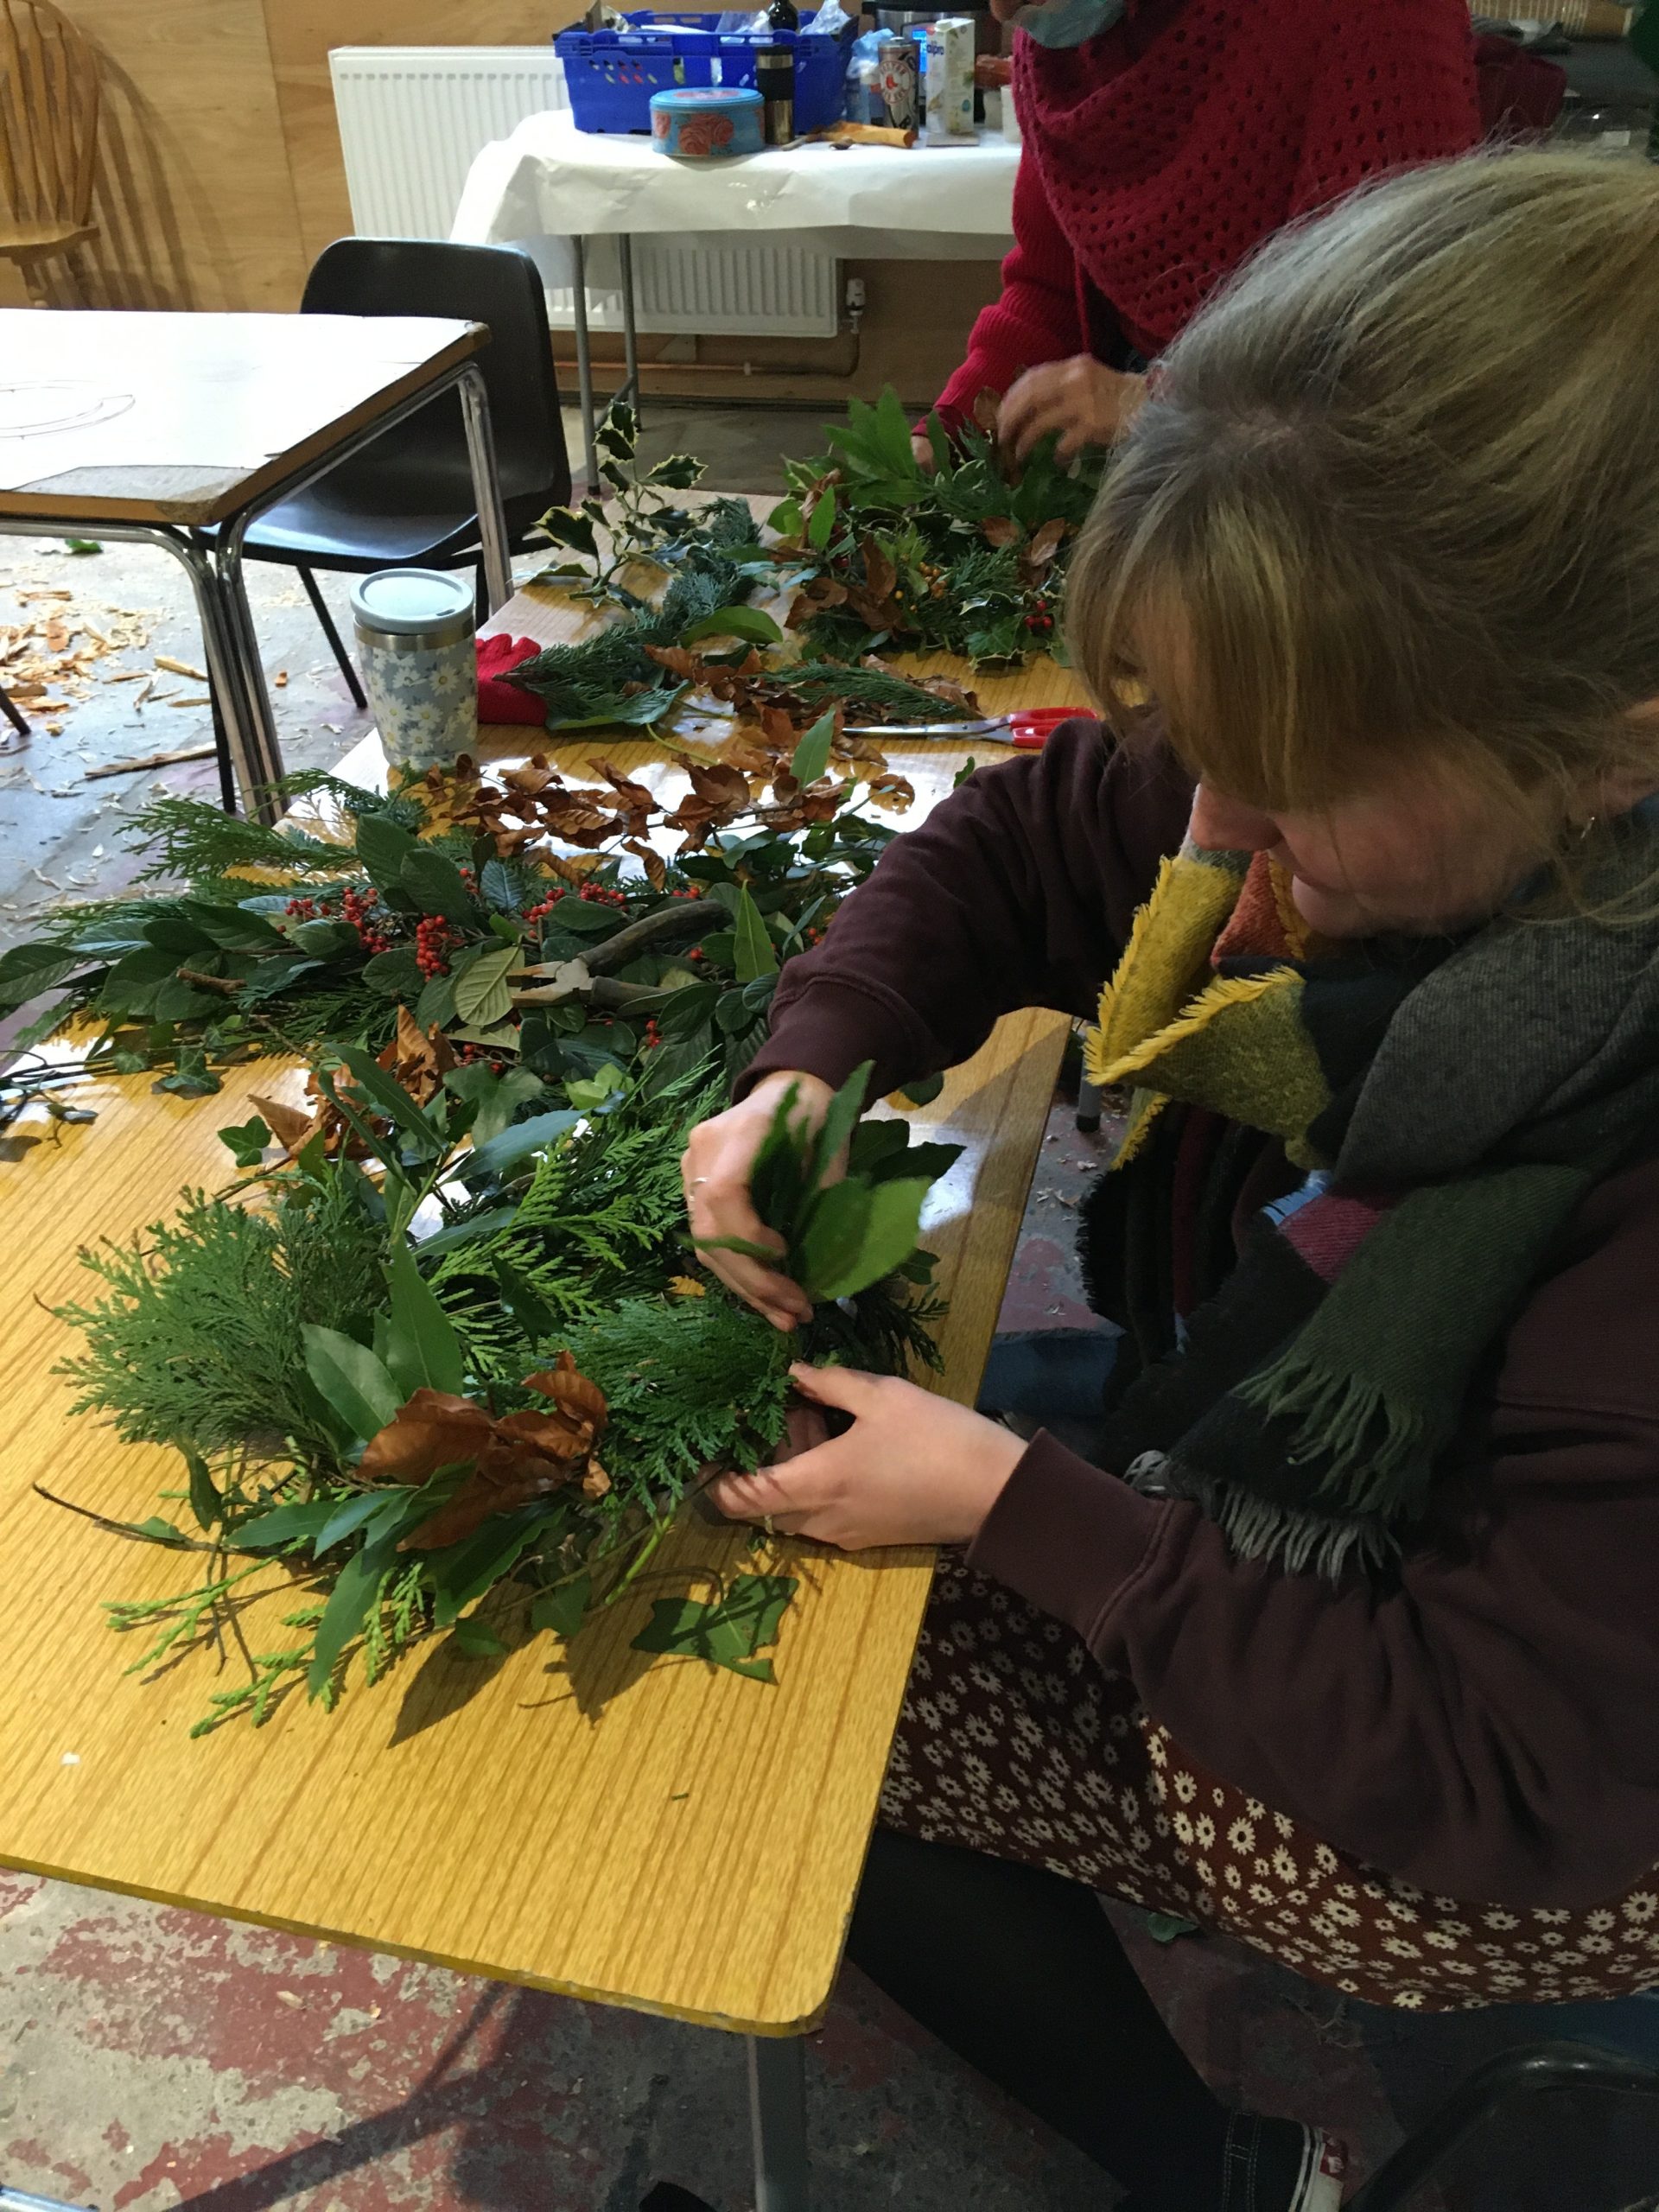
(536, 913)
(431, 946)
(470, 1052)
(357, 908)
(1040, 619)
(304, 910)
(653, 1036)
(596, 896)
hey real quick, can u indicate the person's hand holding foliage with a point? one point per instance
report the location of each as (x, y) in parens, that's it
(911, 1468)
(717, 1169)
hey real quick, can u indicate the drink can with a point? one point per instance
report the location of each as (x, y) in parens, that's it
(898, 80)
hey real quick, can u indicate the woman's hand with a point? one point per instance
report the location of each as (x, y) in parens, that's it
(718, 1160)
(912, 1469)
(1087, 403)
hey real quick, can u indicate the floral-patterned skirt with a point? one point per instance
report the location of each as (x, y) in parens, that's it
(1015, 1742)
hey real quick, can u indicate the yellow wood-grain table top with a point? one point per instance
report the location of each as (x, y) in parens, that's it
(649, 1831)
(186, 418)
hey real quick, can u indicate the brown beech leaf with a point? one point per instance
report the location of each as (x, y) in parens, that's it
(571, 1390)
(636, 794)
(655, 866)
(719, 783)
(289, 1125)
(679, 661)
(891, 790)
(879, 575)
(956, 695)
(434, 1429)
(750, 759)
(999, 529)
(534, 776)
(595, 1482)
(416, 1058)
(1044, 545)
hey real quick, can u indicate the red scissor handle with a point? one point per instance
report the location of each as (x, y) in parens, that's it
(1029, 728)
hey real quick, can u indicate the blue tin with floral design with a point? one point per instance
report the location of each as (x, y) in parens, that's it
(708, 122)
(415, 635)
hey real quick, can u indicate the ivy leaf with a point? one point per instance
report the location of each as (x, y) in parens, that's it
(786, 518)
(728, 1632)
(423, 1351)
(753, 952)
(590, 1093)
(247, 1141)
(192, 1078)
(562, 1609)
(482, 998)
(434, 884)
(476, 1640)
(752, 623)
(812, 753)
(494, 1098)
(204, 1500)
(352, 1380)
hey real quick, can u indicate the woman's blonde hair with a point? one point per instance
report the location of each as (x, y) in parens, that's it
(1395, 494)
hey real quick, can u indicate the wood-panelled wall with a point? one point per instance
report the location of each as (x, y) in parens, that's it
(220, 179)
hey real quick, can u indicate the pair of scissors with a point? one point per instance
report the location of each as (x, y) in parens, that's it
(1026, 727)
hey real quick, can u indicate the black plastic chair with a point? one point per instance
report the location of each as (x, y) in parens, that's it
(1503, 2081)
(13, 713)
(407, 499)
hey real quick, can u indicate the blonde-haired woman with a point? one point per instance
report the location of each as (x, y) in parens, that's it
(1348, 1644)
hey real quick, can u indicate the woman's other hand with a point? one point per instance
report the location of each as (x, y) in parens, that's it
(715, 1169)
(1087, 403)
(912, 1468)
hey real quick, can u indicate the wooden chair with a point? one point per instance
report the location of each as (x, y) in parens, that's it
(49, 132)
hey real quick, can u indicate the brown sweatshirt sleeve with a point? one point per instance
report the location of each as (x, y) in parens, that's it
(1018, 890)
(1484, 1725)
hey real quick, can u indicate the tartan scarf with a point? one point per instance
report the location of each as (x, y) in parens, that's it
(1452, 1099)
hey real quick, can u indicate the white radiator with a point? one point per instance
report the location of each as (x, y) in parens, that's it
(412, 118)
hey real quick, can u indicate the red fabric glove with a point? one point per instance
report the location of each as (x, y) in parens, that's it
(498, 700)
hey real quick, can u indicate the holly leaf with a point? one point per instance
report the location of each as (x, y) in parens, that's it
(679, 473)
(564, 526)
(423, 1351)
(811, 756)
(729, 1631)
(247, 1141)
(753, 952)
(352, 1381)
(482, 997)
(562, 1610)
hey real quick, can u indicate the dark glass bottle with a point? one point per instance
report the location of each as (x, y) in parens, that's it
(784, 16)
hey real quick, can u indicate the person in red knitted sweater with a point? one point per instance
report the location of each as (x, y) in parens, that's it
(1163, 148)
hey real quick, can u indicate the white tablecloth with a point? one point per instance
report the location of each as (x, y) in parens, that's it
(928, 203)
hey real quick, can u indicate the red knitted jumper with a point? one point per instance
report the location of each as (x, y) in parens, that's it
(1158, 153)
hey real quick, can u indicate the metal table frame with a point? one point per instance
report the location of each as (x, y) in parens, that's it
(213, 559)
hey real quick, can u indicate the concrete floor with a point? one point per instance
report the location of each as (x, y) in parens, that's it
(151, 2058)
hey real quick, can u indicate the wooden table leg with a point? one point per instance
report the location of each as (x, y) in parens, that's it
(777, 2116)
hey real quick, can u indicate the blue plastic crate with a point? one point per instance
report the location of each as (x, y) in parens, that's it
(611, 75)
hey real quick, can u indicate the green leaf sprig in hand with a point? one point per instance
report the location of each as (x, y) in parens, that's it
(847, 1199)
